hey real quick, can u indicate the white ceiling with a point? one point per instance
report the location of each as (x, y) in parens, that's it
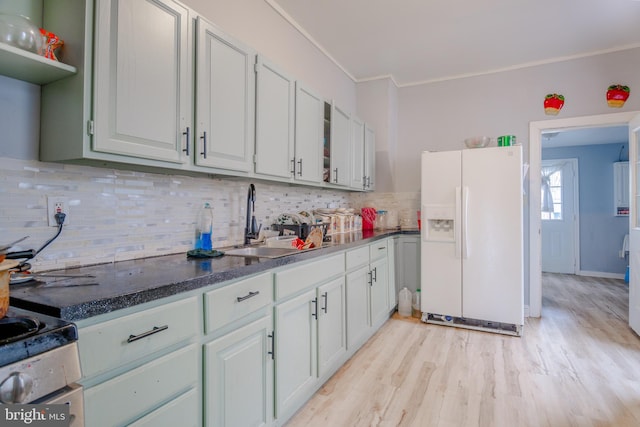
(417, 41)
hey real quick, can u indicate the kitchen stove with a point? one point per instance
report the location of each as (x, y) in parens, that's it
(39, 362)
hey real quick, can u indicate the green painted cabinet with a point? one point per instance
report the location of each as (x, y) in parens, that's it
(238, 377)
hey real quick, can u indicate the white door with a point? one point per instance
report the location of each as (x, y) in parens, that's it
(559, 217)
(634, 225)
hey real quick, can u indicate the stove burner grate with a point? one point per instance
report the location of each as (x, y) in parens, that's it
(15, 328)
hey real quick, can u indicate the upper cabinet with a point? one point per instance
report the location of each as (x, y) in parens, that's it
(357, 154)
(309, 135)
(369, 158)
(142, 79)
(274, 121)
(225, 100)
(157, 86)
(340, 143)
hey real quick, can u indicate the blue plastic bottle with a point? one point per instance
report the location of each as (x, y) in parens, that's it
(204, 227)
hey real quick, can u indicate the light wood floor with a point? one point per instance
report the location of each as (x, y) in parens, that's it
(577, 365)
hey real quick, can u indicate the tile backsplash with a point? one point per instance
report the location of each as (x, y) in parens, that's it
(116, 214)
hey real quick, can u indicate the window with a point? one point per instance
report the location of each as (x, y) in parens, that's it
(551, 193)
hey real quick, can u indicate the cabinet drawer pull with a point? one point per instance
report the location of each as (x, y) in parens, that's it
(204, 144)
(272, 335)
(326, 301)
(293, 166)
(300, 167)
(155, 330)
(249, 295)
(335, 178)
(187, 134)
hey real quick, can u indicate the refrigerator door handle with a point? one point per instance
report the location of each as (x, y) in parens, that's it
(465, 217)
(457, 223)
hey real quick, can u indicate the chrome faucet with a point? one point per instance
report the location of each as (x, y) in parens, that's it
(251, 229)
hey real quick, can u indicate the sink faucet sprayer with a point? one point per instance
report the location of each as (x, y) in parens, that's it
(251, 229)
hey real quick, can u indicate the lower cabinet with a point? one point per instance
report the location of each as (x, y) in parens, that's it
(310, 343)
(296, 350)
(310, 331)
(127, 397)
(358, 307)
(141, 363)
(182, 411)
(245, 353)
(332, 334)
(238, 372)
(367, 291)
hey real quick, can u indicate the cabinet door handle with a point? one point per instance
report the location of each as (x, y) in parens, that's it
(364, 182)
(204, 144)
(293, 166)
(370, 273)
(326, 301)
(315, 303)
(155, 330)
(335, 176)
(272, 335)
(187, 134)
(300, 167)
(249, 295)
(375, 274)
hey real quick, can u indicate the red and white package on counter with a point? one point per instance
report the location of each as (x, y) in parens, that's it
(368, 218)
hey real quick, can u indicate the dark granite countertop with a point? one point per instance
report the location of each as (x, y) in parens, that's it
(127, 283)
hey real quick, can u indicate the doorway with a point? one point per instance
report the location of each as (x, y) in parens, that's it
(535, 159)
(560, 216)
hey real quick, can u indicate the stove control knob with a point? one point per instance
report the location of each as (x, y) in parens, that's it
(16, 388)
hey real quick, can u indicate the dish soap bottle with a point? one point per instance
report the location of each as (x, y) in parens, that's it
(203, 228)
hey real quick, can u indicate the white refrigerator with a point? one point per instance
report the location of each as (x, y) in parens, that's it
(471, 238)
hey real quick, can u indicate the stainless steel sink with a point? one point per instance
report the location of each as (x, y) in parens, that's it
(261, 252)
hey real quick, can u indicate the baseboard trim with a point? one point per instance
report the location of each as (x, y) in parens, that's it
(602, 274)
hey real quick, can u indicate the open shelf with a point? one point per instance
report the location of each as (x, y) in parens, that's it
(29, 67)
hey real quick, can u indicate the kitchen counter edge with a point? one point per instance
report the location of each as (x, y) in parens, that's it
(104, 288)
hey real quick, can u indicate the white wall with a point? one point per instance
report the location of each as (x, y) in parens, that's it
(439, 116)
(257, 24)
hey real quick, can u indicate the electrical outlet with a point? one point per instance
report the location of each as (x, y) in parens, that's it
(57, 204)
